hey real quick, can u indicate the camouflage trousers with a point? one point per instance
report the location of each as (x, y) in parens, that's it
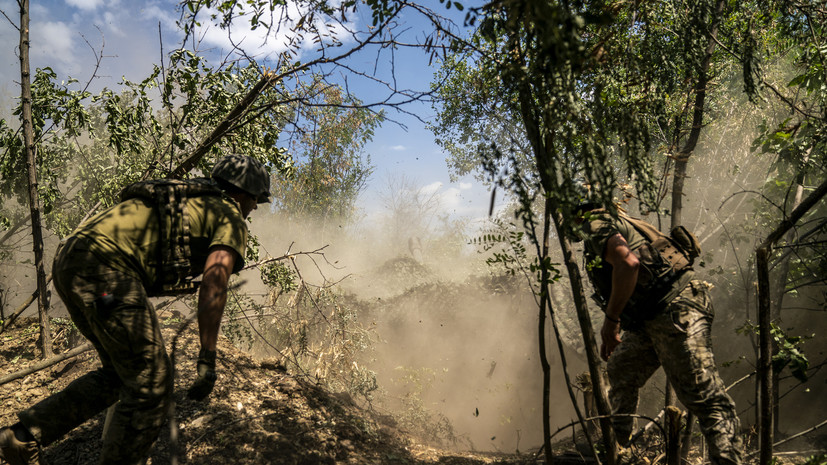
(679, 340)
(110, 308)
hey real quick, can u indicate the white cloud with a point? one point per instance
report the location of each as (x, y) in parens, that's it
(53, 41)
(261, 42)
(397, 148)
(465, 186)
(431, 188)
(85, 4)
(113, 24)
(164, 16)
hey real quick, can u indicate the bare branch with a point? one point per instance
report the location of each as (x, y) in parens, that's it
(46, 363)
(13, 24)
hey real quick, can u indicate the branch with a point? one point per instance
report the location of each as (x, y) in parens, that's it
(13, 24)
(20, 309)
(794, 436)
(795, 215)
(241, 107)
(46, 363)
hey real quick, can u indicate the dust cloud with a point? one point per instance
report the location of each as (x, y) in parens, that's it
(455, 349)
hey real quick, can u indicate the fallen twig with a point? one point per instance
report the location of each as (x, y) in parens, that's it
(20, 309)
(46, 363)
(794, 436)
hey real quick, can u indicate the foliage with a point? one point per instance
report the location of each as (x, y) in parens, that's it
(315, 331)
(108, 140)
(789, 352)
(330, 171)
(53, 105)
(278, 274)
(817, 459)
(239, 310)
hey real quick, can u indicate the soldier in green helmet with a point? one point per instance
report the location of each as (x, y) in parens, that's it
(154, 242)
(646, 286)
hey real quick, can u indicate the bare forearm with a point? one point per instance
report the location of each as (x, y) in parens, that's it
(211, 301)
(213, 294)
(624, 280)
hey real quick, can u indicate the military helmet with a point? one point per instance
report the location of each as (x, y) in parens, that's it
(245, 173)
(584, 194)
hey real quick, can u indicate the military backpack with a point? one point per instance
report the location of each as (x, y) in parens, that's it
(169, 198)
(663, 259)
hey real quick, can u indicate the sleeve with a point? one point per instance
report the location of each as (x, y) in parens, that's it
(599, 229)
(223, 224)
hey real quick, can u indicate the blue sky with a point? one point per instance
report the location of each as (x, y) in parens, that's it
(68, 34)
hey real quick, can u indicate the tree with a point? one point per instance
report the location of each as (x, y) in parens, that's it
(331, 170)
(31, 169)
(798, 141)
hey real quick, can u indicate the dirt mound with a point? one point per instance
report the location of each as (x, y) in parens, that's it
(257, 414)
(391, 278)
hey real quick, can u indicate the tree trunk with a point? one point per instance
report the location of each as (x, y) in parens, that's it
(780, 289)
(681, 160)
(762, 254)
(599, 382)
(544, 300)
(765, 430)
(31, 166)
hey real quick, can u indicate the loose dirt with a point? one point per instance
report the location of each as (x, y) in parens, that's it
(257, 414)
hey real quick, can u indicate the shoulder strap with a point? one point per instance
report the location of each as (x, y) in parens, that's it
(648, 231)
(667, 247)
(169, 198)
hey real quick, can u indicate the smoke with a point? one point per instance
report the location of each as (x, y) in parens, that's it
(455, 350)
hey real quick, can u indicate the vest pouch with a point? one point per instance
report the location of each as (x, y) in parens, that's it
(655, 277)
(648, 258)
(686, 241)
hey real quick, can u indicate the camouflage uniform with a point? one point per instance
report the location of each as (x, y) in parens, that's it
(110, 308)
(674, 332)
(102, 273)
(678, 338)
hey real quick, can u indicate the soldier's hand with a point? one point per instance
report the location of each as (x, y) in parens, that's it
(610, 334)
(205, 379)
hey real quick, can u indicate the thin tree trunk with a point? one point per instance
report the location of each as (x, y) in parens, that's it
(762, 254)
(592, 355)
(31, 166)
(545, 303)
(780, 286)
(681, 161)
(541, 326)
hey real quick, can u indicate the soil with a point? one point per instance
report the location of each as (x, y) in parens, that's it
(257, 414)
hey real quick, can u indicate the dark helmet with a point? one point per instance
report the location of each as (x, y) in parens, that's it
(245, 173)
(584, 195)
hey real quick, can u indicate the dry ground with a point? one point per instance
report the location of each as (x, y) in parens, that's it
(257, 414)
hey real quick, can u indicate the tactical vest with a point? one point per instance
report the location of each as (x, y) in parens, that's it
(169, 199)
(663, 259)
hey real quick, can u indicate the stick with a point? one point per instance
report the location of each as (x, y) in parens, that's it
(794, 436)
(22, 307)
(46, 363)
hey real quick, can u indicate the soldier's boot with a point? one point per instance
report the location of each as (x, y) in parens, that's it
(19, 452)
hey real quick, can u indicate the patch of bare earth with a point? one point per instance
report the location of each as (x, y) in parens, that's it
(257, 414)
